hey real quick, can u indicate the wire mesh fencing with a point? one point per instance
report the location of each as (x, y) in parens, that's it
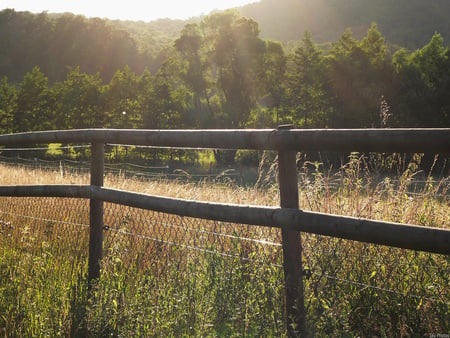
(204, 275)
(36, 223)
(373, 289)
(169, 275)
(179, 274)
(217, 274)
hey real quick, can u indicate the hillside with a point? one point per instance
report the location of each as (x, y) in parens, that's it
(408, 23)
(56, 41)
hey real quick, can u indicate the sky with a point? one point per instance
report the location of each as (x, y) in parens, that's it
(135, 10)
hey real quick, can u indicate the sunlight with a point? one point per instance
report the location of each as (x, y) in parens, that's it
(130, 10)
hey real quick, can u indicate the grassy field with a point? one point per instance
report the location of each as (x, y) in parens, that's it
(175, 276)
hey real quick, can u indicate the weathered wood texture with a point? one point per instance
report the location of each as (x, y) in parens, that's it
(376, 140)
(434, 240)
(289, 218)
(96, 213)
(292, 246)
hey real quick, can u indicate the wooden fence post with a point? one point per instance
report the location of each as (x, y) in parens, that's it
(96, 212)
(292, 245)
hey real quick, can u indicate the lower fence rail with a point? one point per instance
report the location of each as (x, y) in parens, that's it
(299, 273)
(184, 264)
(406, 236)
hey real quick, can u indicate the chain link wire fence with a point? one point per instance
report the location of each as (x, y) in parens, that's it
(207, 275)
(375, 290)
(120, 167)
(185, 275)
(36, 223)
(169, 275)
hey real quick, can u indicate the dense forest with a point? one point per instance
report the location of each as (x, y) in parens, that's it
(407, 23)
(66, 71)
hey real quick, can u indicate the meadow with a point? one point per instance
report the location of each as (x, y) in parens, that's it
(169, 275)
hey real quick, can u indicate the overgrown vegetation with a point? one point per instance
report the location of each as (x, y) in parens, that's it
(166, 275)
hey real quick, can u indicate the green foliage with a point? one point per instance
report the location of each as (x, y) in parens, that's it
(54, 150)
(79, 101)
(54, 42)
(409, 23)
(165, 102)
(306, 92)
(275, 65)
(219, 73)
(424, 77)
(33, 105)
(360, 76)
(236, 59)
(193, 70)
(8, 101)
(247, 157)
(231, 284)
(122, 97)
(45, 293)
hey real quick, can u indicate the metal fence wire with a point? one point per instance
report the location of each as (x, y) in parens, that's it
(36, 223)
(349, 286)
(168, 275)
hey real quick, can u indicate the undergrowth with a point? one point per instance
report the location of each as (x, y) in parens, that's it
(222, 279)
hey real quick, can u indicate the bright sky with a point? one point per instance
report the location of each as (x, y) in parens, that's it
(145, 10)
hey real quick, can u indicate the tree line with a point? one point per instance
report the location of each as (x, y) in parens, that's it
(54, 42)
(408, 23)
(219, 73)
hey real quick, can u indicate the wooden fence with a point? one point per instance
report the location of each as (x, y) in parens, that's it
(288, 217)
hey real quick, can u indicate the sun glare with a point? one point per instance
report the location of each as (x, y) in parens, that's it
(130, 10)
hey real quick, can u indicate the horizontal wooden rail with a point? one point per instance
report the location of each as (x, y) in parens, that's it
(434, 240)
(376, 140)
(289, 218)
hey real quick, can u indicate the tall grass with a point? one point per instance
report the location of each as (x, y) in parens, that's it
(166, 275)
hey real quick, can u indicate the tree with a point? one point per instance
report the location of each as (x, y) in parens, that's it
(165, 101)
(80, 102)
(236, 55)
(424, 84)
(145, 99)
(33, 103)
(360, 77)
(193, 68)
(8, 96)
(275, 63)
(121, 99)
(306, 84)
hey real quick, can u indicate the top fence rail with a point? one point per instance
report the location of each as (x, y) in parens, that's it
(289, 218)
(365, 140)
